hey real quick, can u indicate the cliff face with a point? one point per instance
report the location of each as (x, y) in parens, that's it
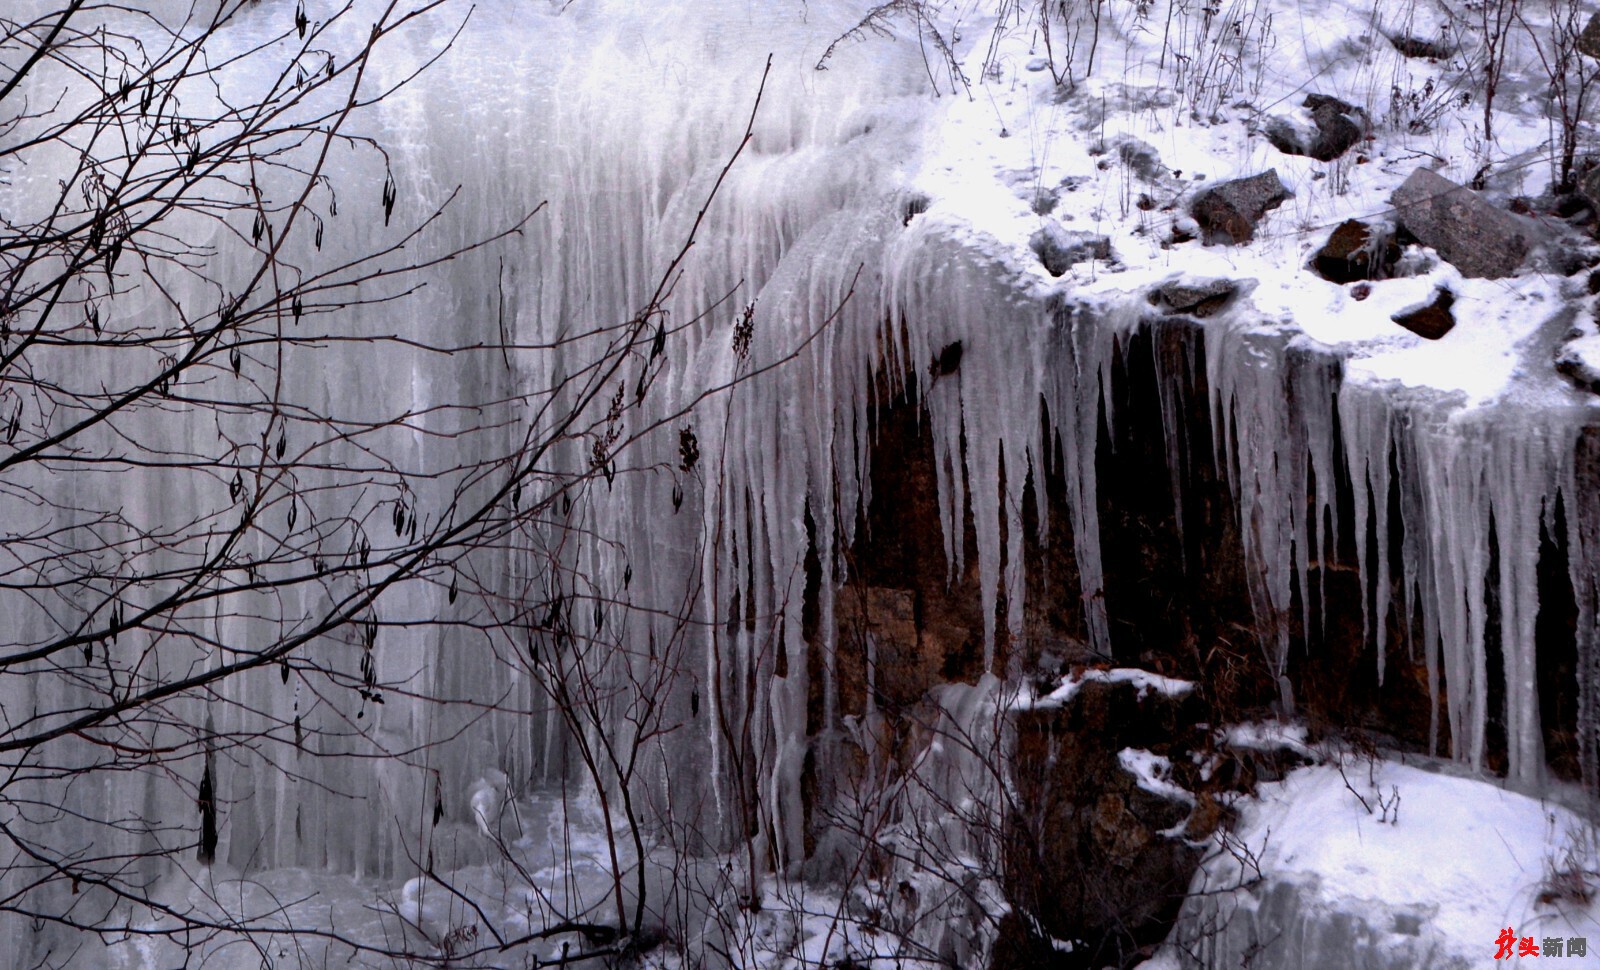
(1090, 856)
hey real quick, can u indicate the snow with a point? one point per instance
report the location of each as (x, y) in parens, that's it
(1153, 773)
(1269, 736)
(1143, 681)
(1459, 860)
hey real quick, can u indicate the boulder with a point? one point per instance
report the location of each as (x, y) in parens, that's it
(1141, 158)
(1432, 319)
(1464, 227)
(1410, 45)
(1357, 251)
(1339, 126)
(1229, 212)
(1059, 248)
(1589, 187)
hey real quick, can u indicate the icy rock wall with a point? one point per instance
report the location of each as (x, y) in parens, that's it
(620, 118)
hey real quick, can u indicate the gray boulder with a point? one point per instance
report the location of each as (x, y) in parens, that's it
(1059, 248)
(1464, 227)
(1579, 362)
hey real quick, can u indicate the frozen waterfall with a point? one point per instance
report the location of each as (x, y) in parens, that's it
(660, 634)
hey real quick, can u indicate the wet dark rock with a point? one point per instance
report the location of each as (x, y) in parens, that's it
(1589, 187)
(1096, 858)
(1463, 226)
(1339, 126)
(1432, 319)
(1564, 257)
(1195, 297)
(1059, 249)
(1357, 251)
(1229, 212)
(948, 360)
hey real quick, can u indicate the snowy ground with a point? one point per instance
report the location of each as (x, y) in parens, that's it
(1381, 863)
(1200, 90)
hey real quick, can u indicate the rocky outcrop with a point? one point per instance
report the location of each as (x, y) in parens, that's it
(1181, 607)
(1194, 297)
(1097, 861)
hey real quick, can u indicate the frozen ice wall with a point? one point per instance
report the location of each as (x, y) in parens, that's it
(663, 600)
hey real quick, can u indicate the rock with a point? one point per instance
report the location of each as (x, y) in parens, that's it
(1410, 46)
(1058, 248)
(1589, 187)
(1183, 229)
(1229, 212)
(1357, 251)
(1579, 362)
(1432, 319)
(1142, 158)
(1196, 297)
(1464, 227)
(1589, 40)
(1339, 126)
(1096, 857)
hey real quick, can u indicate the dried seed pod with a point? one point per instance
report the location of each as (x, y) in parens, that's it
(390, 193)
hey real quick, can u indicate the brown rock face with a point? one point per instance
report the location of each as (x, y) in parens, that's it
(1086, 860)
(1084, 856)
